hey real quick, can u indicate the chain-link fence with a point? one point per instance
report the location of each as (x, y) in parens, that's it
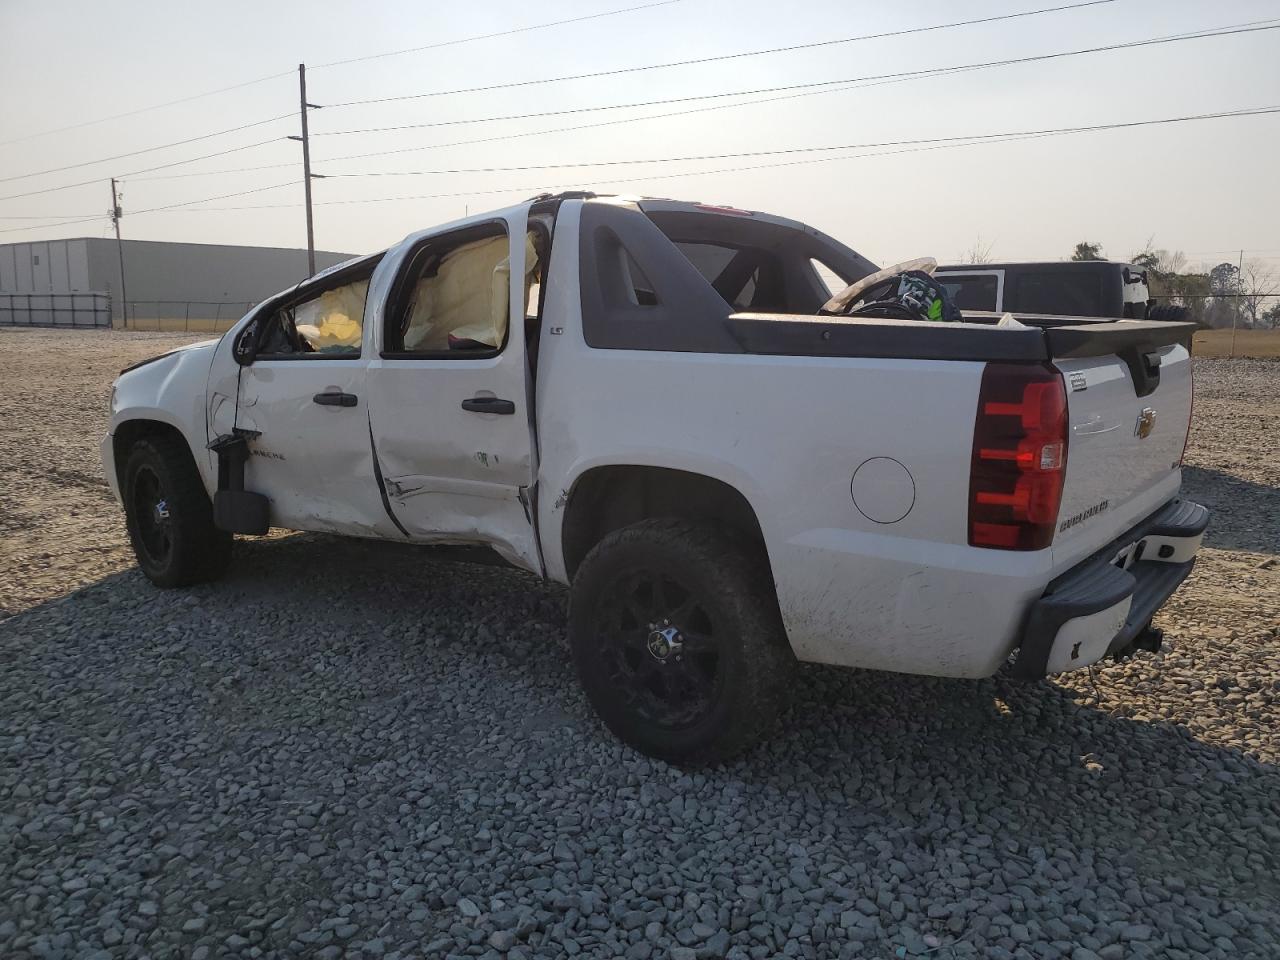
(99, 310)
(1237, 327)
(183, 316)
(55, 309)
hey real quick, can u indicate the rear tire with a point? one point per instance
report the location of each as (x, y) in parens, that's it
(169, 516)
(678, 642)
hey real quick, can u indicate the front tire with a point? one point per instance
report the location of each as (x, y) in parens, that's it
(677, 640)
(169, 516)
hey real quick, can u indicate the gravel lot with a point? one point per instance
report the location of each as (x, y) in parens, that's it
(362, 750)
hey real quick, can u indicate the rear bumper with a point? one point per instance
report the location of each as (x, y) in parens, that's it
(1101, 605)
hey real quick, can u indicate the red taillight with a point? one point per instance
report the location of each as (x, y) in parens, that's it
(1019, 457)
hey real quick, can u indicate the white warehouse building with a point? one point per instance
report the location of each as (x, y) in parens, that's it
(171, 286)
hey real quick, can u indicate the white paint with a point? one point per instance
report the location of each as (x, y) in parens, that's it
(313, 461)
(1084, 640)
(1184, 548)
(883, 490)
(855, 587)
(454, 475)
(1106, 460)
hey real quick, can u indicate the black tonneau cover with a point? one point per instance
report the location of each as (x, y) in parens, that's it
(1044, 338)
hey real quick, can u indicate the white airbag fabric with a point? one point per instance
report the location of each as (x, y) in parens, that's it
(468, 297)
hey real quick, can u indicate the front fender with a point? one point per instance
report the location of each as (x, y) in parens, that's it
(168, 390)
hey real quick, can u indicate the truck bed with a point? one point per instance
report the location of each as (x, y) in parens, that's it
(1047, 338)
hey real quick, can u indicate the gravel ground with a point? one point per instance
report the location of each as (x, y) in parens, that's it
(360, 750)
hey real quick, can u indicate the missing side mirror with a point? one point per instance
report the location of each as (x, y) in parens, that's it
(246, 345)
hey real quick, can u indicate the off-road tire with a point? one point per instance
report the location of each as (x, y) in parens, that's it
(730, 578)
(196, 550)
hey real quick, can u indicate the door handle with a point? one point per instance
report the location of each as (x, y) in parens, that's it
(335, 398)
(488, 405)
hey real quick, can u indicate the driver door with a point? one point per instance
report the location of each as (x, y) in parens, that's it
(305, 395)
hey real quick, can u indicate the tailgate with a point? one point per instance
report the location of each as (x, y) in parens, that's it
(1129, 403)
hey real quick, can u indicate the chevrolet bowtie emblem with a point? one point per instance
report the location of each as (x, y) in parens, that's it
(1146, 423)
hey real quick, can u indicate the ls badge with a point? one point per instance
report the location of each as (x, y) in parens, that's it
(1146, 423)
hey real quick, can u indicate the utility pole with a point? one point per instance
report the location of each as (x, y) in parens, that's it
(1236, 307)
(116, 214)
(307, 175)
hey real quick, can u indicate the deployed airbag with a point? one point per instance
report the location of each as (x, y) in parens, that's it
(331, 322)
(466, 298)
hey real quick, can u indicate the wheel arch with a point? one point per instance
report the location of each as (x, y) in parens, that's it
(609, 497)
(129, 432)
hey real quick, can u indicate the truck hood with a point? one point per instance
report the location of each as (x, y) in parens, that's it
(204, 345)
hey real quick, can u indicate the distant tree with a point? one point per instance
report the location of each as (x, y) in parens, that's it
(1224, 292)
(1147, 259)
(1271, 318)
(1224, 279)
(1162, 263)
(978, 253)
(1169, 285)
(1257, 290)
(1086, 250)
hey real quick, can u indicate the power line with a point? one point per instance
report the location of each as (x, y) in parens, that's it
(909, 74)
(954, 141)
(1252, 111)
(224, 196)
(47, 226)
(50, 216)
(132, 113)
(829, 83)
(163, 166)
(166, 207)
(727, 56)
(826, 159)
(499, 33)
(807, 89)
(134, 153)
(910, 147)
(816, 88)
(334, 63)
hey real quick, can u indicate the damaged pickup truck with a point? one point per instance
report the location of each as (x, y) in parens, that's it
(663, 406)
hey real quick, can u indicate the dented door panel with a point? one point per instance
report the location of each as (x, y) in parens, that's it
(314, 462)
(453, 473)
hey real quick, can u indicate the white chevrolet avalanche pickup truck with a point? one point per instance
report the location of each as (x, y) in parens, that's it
(642, 400)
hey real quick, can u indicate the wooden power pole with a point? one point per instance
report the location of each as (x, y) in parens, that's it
(307, 175)
(116, 214)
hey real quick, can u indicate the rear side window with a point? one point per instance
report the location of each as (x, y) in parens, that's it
(972, 293)
(454, 298)
(1069, 294)
(832, 282)
(748, 278)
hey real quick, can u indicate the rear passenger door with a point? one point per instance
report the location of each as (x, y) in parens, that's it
(450, 392)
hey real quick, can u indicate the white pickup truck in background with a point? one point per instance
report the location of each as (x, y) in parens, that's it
(638, 398)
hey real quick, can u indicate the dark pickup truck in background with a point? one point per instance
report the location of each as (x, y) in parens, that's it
(1091, 288)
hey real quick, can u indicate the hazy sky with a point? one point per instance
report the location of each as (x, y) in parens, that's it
(1207, 188)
